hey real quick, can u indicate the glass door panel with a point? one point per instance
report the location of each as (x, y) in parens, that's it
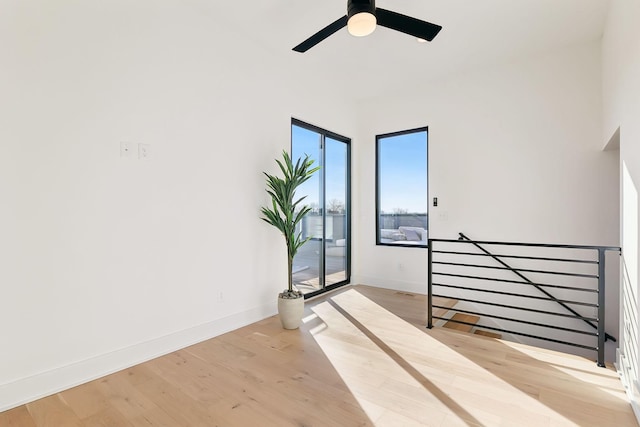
(336, 211)
(307, 264)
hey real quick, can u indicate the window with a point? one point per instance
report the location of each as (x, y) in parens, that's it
(401, 188)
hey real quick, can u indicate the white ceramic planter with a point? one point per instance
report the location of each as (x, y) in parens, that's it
(290, 311)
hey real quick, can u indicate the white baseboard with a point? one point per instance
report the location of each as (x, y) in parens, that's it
(34, 387)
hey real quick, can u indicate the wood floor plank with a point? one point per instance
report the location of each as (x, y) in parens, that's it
(410, 306)
(192, 375)
(155, 417)
(487, 333)
(17, 417)
(53, 412)
(139, 374)
(124, 396)
(108, 417)
(363, 357)
(483, 373)
(86, 400)
(462, 318)
(295, 382)
(174, 401)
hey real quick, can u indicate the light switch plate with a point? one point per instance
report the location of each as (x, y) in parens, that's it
(144, 151)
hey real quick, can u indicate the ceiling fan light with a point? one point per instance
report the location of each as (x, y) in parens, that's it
(362, 24)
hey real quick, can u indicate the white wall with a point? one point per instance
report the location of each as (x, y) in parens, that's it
(107, 261)
(514, 154)
(621, 88)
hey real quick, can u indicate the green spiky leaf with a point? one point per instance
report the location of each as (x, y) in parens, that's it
(285, 213)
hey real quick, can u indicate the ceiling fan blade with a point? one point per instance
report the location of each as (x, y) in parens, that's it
(321, 35)
(406, 24)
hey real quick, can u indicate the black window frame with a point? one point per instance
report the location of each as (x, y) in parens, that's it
(377, 186)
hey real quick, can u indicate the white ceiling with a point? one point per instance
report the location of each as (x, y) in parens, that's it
(476, 33)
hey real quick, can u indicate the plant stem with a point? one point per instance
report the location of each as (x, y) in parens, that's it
(290, 267)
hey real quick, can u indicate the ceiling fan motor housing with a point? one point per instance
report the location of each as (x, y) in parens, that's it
(358, 6)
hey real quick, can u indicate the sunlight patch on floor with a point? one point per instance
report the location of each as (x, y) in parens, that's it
(403, 376)
(385, 391)
(606, 380)
(309, 318)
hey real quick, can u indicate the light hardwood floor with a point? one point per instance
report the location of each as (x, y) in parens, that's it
(362, 358)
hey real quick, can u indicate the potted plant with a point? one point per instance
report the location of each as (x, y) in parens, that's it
(285, 214)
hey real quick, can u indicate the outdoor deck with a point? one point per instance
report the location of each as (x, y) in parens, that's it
(306, 266)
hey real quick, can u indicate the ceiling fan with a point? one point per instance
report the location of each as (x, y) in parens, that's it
(361, 19)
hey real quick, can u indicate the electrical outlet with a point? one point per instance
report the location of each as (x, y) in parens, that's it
(144, 151)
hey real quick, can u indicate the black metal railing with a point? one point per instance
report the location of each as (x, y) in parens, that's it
(470, 275)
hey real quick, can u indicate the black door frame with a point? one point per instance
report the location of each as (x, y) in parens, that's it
(323, 135)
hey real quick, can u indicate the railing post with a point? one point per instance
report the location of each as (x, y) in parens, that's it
(429, 285)
(601, 313)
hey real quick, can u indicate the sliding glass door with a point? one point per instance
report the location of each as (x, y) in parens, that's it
(323, 263)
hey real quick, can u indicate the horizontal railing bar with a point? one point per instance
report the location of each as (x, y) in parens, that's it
(511, 294)
(537, 245)
(601, 260)
(581, 261)
(506, 331)
(492, 267)
(516, 282)
(532, 310)
(526, 322)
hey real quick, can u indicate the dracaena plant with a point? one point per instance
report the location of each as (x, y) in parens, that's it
(285, 212)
